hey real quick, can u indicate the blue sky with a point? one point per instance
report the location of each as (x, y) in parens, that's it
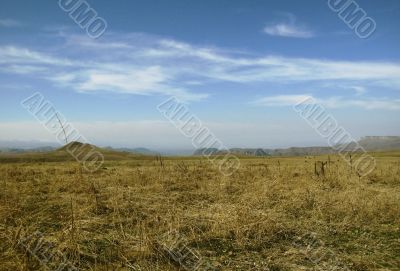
(238, 65)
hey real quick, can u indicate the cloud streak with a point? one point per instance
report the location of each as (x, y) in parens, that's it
(330, 102)
(142, 64)
(288, 30)
(10, 23)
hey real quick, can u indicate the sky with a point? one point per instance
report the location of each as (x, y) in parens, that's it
(239, 66)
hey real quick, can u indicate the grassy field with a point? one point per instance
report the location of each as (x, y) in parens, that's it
(134, 214)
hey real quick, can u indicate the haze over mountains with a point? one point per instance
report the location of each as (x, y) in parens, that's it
(369, 143)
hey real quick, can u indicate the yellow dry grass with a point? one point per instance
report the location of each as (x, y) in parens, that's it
(114, 219)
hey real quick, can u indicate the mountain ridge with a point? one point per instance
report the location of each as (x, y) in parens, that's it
(369, 143)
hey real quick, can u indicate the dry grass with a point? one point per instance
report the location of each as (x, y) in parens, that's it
(114, 219)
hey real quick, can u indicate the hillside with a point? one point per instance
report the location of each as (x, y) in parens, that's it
(62, 154)
(380, 143)
(369, 143)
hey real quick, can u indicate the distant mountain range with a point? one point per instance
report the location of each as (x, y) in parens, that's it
(369, 143)
(134, 150)
(380, 143)
(52, 148)
(23, 150)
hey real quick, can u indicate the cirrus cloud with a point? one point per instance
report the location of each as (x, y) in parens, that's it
(150, 65)
(288, 30)
(369, 103)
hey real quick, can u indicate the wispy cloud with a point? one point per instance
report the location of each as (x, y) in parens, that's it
(331, 102)
(366, 103)
(90, 76)
(141, 64)
(282, 100)
(288, 30)
(358, 90)
(22, 69)
(141, 81)
(16, 54)
(10, 23)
